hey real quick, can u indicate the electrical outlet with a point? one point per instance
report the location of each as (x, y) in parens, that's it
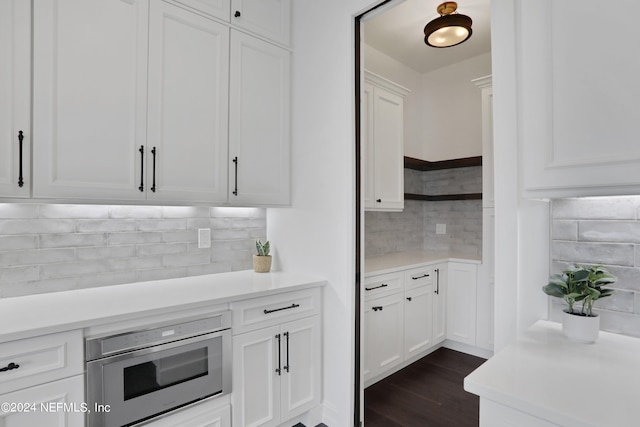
(204, 238)
(441, 228)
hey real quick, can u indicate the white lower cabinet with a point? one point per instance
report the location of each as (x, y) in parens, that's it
(383, 337)
(461, 302)
(276, 372)
(418, 320)
(55, 404)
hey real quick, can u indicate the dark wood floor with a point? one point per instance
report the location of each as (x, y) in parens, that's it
(427, 393)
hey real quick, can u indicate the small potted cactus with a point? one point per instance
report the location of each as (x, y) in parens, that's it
(262, 261)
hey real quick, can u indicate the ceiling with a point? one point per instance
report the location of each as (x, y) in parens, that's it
(398, 32)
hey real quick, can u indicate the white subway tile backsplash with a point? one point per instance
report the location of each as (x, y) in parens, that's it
(609, 231)
(72, 269)
(49, 248)
(18, 211)
(105, 225)
(36, 226)
(603, 231)
(596, 208)
(11, 243)
(564, 229)
(593, 253)
(35, 257)
(74, 211)
(66, 240)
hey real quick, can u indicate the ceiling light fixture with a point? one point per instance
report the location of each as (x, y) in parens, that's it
(449, 29)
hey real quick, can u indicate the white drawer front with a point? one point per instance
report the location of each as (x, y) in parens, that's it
(416, 277)
(40, 359)
(256, 313)
(384, 284)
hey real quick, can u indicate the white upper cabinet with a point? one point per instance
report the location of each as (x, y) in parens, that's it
(15, 102)
(216, 8)
(578, 97)
(267, 18)
(382, 117)
(259, 157)
(187, 109)
(89, 98)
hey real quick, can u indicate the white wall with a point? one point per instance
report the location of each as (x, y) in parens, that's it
(387, 67)
(317, 233)
(443, 112)
(452, 111)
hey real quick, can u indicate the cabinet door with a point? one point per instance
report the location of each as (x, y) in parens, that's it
(418, 320)
(55, 404)
(216, 8)
(461, 304)
(268, 18)
(187, 112)
(440, 304)
(89, 98)
(259, 123)
(366, 141)
(15, 102)
(384, 337)
(579, 93)
(256, 384)
(388, 146)
(301, 372)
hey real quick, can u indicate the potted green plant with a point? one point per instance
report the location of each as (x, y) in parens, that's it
(580, 284)
(262, 261)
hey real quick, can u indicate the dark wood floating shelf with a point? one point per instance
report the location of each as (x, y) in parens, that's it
(424, 165)
(443, 197)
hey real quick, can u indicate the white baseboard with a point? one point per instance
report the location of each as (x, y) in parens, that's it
(468, 349)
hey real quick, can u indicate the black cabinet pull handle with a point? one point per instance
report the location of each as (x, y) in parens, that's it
(278, 370)
(11, 366)
(235, 161)
(237, 14)
(141, 150)
(20, 138)
(437, 270)
(384, 285)
(283, 308)
(379, 200)
(153, 182)
(376, 308)
(420, 277)
(286, 367)
(408, 298)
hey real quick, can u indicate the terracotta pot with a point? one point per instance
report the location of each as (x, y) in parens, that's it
(582, 329)
(261, 264)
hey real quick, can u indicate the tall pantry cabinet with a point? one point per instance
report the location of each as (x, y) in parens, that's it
(132, 101)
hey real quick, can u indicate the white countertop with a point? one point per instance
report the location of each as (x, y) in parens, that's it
(402, 260)
(546, 375)
(32, 315)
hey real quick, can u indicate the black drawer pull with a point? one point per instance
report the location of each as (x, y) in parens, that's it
(237, 14)
(384, 285)
(379, 200)
(283, 308)
(278, 369)
(20, 139)
(11, 366)
(420, 277)
(153, 183)
(377, 307)
(235, 190)
(141, 150)
(408, 298)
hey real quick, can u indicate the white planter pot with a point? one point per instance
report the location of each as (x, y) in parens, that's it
(580, 329)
